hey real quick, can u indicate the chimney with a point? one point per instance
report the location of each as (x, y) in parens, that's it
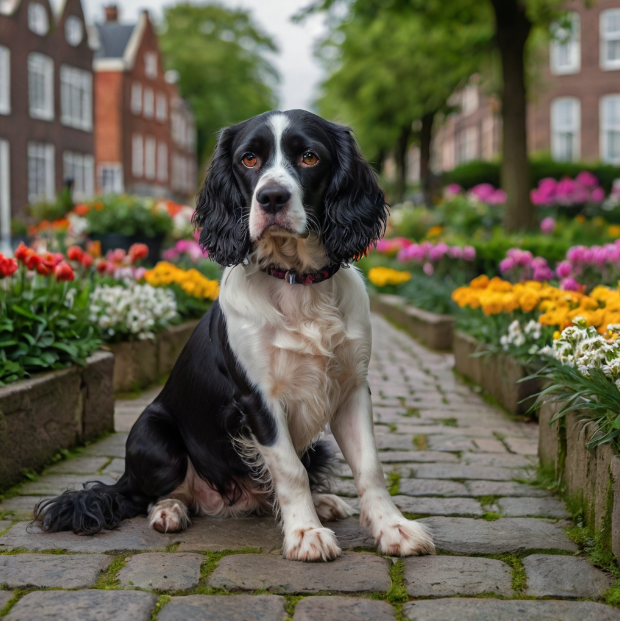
(111, 13)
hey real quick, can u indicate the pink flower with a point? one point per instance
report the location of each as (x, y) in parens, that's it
(563, 269)
(454, 188)
(455, 252)
(437, 253)
(570, 284)
(469, 253)
(576, 254)
(539, 262)
(497, 198)
(507, 265)
(428, 269)
(564, 191)
(139, 272)
(547, 226)
(587, 179)
(170, 255)
(521, 257)
(482, 191)
(598, 195)
(543, 272)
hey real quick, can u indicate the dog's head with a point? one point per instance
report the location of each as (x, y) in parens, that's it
(289, 174)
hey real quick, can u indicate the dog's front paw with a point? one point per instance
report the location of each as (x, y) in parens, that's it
(311, 544)
(169, 516)
(402, 537)
(330, 507)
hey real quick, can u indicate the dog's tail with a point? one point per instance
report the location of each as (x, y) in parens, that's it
(90, 510)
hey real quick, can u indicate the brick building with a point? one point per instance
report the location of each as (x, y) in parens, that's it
(574, 111)
(46, 120)
(144, 132)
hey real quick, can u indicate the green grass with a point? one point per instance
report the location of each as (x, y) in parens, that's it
(397, 594)
(393, 483)
(491, 517)
(413, 412)
(108, 579)
(161, 602)
(419, 441)
(290, 601)
(449, 422)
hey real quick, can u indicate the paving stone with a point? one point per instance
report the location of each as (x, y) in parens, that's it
(350, 573)
(453, 471)
(338, 608)
(438, 506)
(394, 441)
(563, 576)
(115, 468)
(162, 571)
(55, 484)
(465, 609)
(67, 571)
(224, 608)
(442, 576)
(20, 507)
(5, 596)
(503, 460)
(522, 446)
(534, 507)
(343, 487)
(490, 445)
(417, 456)
(112, 446)
(431, 487)
(508, 488)
(91, 605)
(450, 443)
(133, 534)
(78, 465)
(5, 524)
(469, 536)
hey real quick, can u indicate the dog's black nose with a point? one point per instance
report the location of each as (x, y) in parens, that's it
(273, 198)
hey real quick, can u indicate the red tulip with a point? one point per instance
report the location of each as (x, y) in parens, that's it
(138, 251)
(64, 271)
(86, 260)
(7, 266)
(46, 264)
(102, 266)
(75, 253)
(22, 252)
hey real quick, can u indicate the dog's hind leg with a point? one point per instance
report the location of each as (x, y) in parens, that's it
(330, 507)
(169, 516)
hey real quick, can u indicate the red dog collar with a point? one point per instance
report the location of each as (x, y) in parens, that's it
(293, 278)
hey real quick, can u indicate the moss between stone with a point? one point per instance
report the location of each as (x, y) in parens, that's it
(419, 442)
(490, 516)
(393, 482)
(17, 595)
(413, 412)
(449, 422)
(161, 602)
(108, 580)
(290, 601)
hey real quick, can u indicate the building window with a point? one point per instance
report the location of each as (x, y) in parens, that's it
(137, 155)
(74, 30)
(41, 178)
(80, 169)
(149, 157)
(469, 100)
(150, 65)
(136, 98)
(162, 107)
(5, 80)
(565, 129)
(565, 46)
(38, 20)
(610, 39)
(76, 87)
(610, 129)
(41, 86)
(162, 162)
(5, 197)
(111, 178)
(467, 145)
(149, 103)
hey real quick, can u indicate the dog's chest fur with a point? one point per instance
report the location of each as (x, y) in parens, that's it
(304, 348)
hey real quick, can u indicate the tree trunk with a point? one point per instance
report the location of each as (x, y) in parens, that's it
(512, 31)
(400, 157)
(426, 134)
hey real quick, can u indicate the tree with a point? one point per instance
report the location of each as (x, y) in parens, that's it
(512, 22)
(386, 73)
(220, 55)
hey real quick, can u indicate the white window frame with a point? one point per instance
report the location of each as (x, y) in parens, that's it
(149, 103)
(570, 46)
(150, 65)
(137, 155)
(5, 80)
(607, 37)
(162, 162)
(38, 19)
(136, 98)
(161, 106)
(609, 125)
(74, 30)
(76, 97)
(110, 175)
(44, 186)
(557, 131)
(81, 168)
(5, 197)
(150, 148)
(41, 76)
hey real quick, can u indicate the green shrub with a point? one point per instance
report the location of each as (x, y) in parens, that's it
(412, 222)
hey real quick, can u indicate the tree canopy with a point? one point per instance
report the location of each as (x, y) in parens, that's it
(222, 59)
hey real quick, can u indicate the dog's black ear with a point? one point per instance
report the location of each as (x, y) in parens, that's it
(355, 207)
(219, 207)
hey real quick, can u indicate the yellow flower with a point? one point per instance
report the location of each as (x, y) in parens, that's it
(613, 230)
(434, 231)
(191, 281)
(383, 276)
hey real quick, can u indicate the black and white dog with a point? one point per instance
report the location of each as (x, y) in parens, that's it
(288, 201)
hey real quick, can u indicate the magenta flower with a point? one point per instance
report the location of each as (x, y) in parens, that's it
(576, 254)
(454, 188)
(436, 254)
(482, 191)
(428, 269)
(587, 179)
(563, 269)
(570, 284)
(598, 195)
(543, 272)
(469, 253)
(171, 254)
(455, 252)
(497, 198)
(507, 265)
(547, 226)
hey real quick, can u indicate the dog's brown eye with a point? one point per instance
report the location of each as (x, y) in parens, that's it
(309, 158)
(249, 160)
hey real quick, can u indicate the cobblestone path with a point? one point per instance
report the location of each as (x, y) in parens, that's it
(450, 459)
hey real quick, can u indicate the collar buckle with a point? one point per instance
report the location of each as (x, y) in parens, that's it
(290, 276)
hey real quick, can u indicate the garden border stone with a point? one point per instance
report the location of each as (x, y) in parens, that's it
(53, 411)
(433, 329)
(497, 373)
(141, 363)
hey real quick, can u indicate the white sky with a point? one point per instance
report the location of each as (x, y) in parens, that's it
(299, 70)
